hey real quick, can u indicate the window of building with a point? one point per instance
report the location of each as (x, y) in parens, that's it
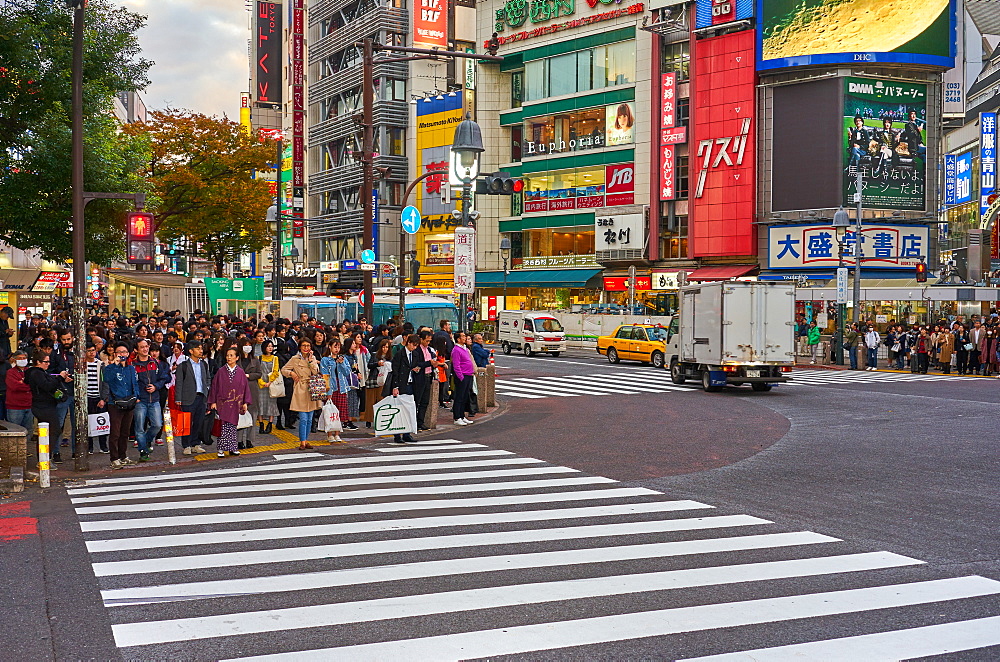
(581, 71)
(516, 139)
(536, 74)
(681, 173)
(516, 89)
(683, 111)
(394, 90)
(676, 58)
(673, 234)
(396, 141)
(391, 194)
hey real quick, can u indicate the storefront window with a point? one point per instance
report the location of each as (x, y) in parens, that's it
(570, 73)
(580, 130)
(677, 59)
(562, 247)
(673, 235)
(516, 139)
(578, 188)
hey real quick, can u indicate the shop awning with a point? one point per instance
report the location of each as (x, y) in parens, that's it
(539, 278)
(722, 272)
(149, 278)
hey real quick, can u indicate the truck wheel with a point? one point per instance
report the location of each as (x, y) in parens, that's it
(706, 383)
(527, 350)
(676, 374)
(760, 387)
(613, 355)
(555, 354)
(657, 359)
(505, 347)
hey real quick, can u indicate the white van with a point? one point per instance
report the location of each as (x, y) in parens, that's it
(529, 332)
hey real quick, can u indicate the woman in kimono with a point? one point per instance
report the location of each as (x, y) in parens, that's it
(230, 397)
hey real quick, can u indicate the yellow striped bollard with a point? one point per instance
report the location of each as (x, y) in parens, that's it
(43, 455)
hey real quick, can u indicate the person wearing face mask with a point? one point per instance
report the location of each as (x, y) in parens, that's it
(119, 388)
(872, 340)
(19, 393)
(253, 370)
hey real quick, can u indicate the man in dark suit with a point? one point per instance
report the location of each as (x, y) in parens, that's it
(423, 380)
(406, 365)
(191, 385)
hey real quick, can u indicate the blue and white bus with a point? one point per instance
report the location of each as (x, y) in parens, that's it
(421, 309)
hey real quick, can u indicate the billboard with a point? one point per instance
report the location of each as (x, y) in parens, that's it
(987, 160)
(808, 32)
(885, 137)
(963, 178)
(883, 246)
(430, 24)
(722, 147)
(267, 53)
(720, 12)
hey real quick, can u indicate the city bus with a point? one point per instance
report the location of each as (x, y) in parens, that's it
(421, 309)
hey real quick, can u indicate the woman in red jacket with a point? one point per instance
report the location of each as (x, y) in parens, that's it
(19, 394)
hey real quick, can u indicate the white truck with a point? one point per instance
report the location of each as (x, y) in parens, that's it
(733, 332)
(529, 332)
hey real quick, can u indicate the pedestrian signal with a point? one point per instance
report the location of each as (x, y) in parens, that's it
(921, 272)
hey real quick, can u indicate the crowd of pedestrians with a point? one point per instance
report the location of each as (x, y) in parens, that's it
(948, 347)
(226, 380)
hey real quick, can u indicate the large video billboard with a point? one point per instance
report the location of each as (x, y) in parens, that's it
(885, 136)
(802, 32)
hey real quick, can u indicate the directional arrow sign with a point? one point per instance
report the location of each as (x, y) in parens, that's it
(410, 219)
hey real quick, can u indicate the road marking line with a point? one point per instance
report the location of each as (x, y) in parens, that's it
(238, 502)
(321, 484)
(622, 627)
(280, 555)
(511, 394)
(409, 448)
(509, 458)
(651, 385)
(407, 524)
(605, 383)
(363, 509)
(451, 567)
(881, 646)
(450, 602)
(282, 461)
(557, 388)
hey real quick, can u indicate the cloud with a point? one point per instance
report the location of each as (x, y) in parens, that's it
(200, 50)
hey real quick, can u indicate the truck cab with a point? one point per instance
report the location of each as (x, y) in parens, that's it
(530, 332)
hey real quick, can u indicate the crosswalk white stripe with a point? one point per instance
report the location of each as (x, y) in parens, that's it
(450, 567)
(281, 462)
(363, 509)
(553, 388)
(410, 448)
(320, 484)
(549, 391)
(879, 647)
(512, 394)
(407, 524)
(588, 384)
(237, 502)
(440, 442)
(290, 618)
(332, 469)
(621, 627)
(257, 556)
(641, 383)
(608, 381)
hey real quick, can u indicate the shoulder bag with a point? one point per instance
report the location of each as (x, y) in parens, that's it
(126, 404)
(317, 387)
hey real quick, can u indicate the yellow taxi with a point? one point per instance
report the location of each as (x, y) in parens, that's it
(636, 342)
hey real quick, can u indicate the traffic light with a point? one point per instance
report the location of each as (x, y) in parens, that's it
(500, 183)
(139, 237)
(414, 272)
(921, 272)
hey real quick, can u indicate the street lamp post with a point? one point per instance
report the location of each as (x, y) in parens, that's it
(465, 151)
(505, 255)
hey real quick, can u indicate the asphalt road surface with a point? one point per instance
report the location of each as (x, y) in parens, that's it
(606, 515)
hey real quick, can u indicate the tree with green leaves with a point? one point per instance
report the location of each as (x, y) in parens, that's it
(35, 88)
(201, 172)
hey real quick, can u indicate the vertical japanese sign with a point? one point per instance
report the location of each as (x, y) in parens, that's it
(987, 159)
(430, 23)
(267, 53)
(668, 120)
(963, 178)
(465, 260)
(298, 99)
(950, 179)
(885, 131)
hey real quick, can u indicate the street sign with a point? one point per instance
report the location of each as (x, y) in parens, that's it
(366, 267)
(349, 265)
(465, 260)
(410, 219)
(387, 268)
(333, 265)
(368, 257)
(842, 285)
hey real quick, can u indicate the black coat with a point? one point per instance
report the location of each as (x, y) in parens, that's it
(401, 369)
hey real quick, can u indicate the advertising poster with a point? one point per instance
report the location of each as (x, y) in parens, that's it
(620, 123)
(963, 178)
(430, 23)
(720, 12)
(885, 136)
(815, 246)
(267, 53)
(987, 160)
(804, 32)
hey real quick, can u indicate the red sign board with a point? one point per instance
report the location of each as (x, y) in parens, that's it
(668, 100)
(673, 136)
(620, 283)
(491, 308)
(668, 190)
(722, 147)
(619, 184)
(430, 23)
(722, 12)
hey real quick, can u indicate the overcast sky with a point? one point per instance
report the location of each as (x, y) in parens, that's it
(200, 50)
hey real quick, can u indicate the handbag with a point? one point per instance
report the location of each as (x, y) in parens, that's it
(317, 387)
(126, 404)
(245, 421)
(329, 420)
(276, 389)
(896, 347)
(383, 373)
(967, 346)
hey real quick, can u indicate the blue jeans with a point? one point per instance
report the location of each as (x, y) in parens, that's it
(62, 409)
(147, 413)
(873, 357)
(900, 359)
(305, 425)
(852, 354)
(23, 418)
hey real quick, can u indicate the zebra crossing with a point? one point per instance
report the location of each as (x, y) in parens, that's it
(658, 381)
(294, 559)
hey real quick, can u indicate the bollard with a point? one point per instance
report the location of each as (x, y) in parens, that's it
(168, 436)
(492, 360)
(431, 417)
(491, 385)
(43, 455)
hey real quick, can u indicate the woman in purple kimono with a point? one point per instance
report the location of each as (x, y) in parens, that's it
(230, 397)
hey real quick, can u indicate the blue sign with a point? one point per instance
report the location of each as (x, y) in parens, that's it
(368, 256)
(375, 223)
(410, 219)
(349, 265)
(987, 159)
(950, 179)
(963, 178)
(720, 12)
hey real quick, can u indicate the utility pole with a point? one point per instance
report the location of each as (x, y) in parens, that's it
(82, 460)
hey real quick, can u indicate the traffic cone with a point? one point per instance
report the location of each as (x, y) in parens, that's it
(492, 361)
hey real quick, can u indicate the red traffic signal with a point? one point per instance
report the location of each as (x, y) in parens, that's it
(140, 226)
(139, 242)
(501, 183)
(921, 272)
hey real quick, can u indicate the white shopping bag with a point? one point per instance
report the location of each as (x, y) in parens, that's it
(98, 424)
(329, 418)
(395, 415)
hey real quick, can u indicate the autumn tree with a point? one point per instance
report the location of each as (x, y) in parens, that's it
(35, 89)
(201, 172)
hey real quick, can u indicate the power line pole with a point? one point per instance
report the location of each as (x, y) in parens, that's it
(82, 460)
(368, 164)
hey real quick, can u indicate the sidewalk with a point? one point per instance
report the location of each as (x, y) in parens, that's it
(802, 362)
